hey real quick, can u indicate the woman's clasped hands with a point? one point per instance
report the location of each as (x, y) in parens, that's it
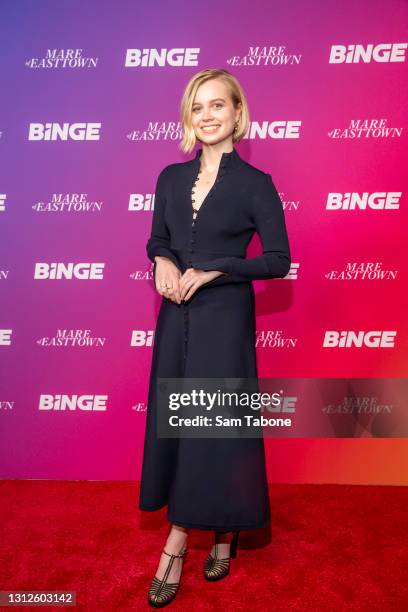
(178, 287)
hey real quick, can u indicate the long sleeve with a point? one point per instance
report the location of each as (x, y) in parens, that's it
(159, 241)
(269, 220)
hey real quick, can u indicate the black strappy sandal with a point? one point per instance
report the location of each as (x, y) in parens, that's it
(161, 592)
(216, 568)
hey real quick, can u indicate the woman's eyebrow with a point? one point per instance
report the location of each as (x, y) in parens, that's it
(214, 100)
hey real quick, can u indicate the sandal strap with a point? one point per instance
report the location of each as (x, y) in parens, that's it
(176, 556)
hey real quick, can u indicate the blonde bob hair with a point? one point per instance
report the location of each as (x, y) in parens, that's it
(236, 93)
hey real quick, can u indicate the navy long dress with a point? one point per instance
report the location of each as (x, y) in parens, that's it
(217, 484)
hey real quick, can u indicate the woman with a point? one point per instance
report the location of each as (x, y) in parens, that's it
(206, 211)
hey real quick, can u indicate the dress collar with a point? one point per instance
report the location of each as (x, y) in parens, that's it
(228, 161)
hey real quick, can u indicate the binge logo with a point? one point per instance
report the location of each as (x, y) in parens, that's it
(382, 53)
(142, 338)
(5, 337)
(273, 129)
(139, 201)
(85, 403)
(279, 403)
(3, 197)
(293, 271)
(64, 131)
(57, 271)
(378, 200)
(146, 58)
(370, 339)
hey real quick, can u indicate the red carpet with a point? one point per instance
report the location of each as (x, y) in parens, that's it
(331, 547)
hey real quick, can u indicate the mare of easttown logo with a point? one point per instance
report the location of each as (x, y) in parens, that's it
(139, 407)
(171, 130)
(359, 405)
(63, 58)
(362, 271)
(73, 338)
(142, 274)
(268, 338)
(68, 202)
(6, 405)
(266, 56)
(366, 128)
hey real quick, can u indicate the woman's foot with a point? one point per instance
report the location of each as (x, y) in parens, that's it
(175, 545)
(217, 563)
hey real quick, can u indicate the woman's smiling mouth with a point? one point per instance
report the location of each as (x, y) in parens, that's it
(210, 128)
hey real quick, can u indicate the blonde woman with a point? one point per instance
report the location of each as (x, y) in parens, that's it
(206, 211)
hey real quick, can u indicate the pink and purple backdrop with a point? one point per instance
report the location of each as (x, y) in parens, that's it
(66, 63)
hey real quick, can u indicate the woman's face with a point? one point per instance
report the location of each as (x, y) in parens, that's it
(213, 114)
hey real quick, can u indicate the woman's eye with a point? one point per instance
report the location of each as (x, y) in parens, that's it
(219, 104)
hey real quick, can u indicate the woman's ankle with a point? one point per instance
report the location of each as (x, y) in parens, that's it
(177, 538)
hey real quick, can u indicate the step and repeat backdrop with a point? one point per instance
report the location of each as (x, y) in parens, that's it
(89, 116)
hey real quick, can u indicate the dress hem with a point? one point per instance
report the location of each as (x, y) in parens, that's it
(188, 525)
(218, 527)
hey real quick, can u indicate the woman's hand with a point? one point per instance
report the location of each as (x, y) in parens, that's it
(167, 277)
(192, 279)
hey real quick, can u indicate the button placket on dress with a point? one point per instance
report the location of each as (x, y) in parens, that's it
(195, 217)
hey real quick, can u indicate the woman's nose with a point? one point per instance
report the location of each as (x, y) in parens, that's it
(207, 114)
